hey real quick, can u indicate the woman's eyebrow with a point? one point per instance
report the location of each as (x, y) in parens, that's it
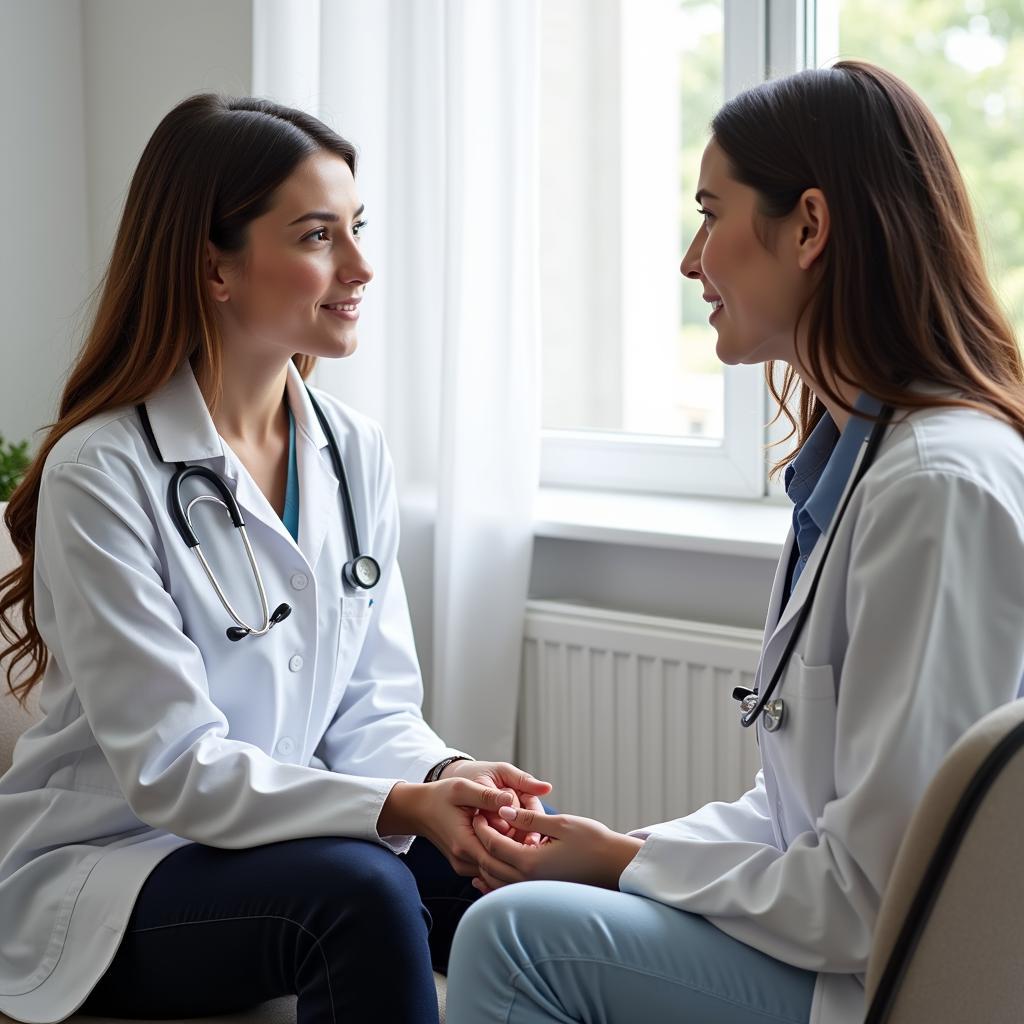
(324, 215)
(703, 194)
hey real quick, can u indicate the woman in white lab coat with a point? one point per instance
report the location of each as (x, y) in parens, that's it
(216, 809)
(836, 237)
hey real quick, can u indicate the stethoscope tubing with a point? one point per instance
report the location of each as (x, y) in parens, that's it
(362, 571)
(339, 472)
(748, 718)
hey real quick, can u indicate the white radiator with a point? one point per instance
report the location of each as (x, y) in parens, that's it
(631, 717)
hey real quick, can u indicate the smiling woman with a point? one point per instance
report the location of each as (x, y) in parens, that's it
(270, 790)
(837, 237)
(302, 275)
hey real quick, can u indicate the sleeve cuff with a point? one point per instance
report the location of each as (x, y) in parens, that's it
(397, 844)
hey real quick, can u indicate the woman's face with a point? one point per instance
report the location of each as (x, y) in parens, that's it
(299, 281)
(756, 293)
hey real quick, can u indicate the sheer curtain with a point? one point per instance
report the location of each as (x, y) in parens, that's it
(440, 98)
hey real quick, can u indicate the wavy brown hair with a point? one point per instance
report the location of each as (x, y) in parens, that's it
(212, 165)
(902, 295)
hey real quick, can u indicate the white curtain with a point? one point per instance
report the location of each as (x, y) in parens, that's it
(440, 98)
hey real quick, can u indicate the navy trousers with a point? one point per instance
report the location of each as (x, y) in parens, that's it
(347, 925)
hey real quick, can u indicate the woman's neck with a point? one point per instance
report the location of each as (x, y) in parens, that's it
(252, 411)
(848, 392)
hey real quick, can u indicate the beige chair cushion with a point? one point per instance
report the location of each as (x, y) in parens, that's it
(967, 963)
(277, 1011)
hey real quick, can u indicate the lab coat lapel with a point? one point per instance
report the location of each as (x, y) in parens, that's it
(319, 502)
(251, 500)
(777, 636)
(185, 432)
(778, 588)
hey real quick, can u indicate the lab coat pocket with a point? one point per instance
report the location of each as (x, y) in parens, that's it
(802, 752)
(356, 613)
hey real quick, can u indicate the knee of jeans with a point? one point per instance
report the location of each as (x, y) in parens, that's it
(506, 920)
(360, 878)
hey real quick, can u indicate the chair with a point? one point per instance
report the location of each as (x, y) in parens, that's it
(13, 721)
(949, 942)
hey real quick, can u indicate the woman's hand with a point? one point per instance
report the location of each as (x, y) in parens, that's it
(442, 812)
(525, 789)
(572, 849)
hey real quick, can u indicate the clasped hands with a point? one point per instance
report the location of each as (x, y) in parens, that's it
(486, 817)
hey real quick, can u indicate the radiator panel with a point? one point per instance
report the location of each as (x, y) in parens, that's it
(631, 717)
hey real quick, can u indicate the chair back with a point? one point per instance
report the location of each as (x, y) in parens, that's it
(949, 942)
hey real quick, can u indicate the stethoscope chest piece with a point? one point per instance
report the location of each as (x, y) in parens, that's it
(362, 573)
(774, 714)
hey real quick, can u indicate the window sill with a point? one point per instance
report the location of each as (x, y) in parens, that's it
(752, 528)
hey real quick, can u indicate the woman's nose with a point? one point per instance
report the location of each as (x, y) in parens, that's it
(690, 266)
(355, 268)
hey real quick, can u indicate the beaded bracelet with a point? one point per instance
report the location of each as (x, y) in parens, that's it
(434, 775)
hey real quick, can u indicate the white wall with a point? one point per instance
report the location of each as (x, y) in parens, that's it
(44, 265)
(141, 57)
(85, 82)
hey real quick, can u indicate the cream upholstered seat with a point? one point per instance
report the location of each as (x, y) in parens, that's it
(13, 721)
(949, 944)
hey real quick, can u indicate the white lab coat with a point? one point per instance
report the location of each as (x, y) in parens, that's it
(159, 731)
(916, 632)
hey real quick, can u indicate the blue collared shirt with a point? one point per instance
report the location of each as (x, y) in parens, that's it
(817, 477)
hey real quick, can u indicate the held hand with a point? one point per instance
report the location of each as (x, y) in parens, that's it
(442, 812)
(574, 850)
(525, 789)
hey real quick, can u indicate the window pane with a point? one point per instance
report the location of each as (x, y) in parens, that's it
(966, 60)
(627, 93)
(701, 75)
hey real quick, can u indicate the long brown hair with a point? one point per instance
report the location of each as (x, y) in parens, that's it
(903, 294)
(212, 166)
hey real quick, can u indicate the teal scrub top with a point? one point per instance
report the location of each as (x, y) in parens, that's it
(291, 496)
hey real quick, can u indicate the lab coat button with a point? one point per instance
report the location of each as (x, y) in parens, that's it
(299, 580)
(295, 662)
(285, 746)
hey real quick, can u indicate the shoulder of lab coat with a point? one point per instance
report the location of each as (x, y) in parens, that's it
(918, 621)
(140, 680)
(362, 736)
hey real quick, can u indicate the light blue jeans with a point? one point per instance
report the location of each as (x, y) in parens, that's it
(557, 951)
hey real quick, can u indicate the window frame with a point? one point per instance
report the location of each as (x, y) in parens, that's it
(761, 38)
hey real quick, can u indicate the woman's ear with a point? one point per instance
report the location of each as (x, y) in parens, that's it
(811, 226)
(215, 281)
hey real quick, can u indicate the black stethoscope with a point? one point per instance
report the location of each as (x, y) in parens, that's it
(362, 572)
(753, 704)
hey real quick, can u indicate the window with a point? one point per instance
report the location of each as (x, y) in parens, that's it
(634, 396)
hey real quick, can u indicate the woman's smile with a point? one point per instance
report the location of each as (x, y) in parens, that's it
(343, 310)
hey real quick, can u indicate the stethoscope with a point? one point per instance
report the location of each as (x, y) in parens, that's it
(361, 573)
(753, 704)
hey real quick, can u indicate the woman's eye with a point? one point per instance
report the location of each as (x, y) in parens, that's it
(319, 231)
(706, 214)
(358, 228)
